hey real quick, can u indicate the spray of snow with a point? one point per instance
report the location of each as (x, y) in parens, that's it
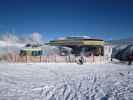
(11, 38)
(50, 50)
(61, 38)
(36, 37)
(9, 43)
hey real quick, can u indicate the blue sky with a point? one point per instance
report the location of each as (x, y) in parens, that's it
(107, 19)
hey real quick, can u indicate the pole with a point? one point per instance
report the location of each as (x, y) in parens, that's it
(40, 59)
(26, 59)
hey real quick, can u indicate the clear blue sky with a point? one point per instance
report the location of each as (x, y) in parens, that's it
(109, 19)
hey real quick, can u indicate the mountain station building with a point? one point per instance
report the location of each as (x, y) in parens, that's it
(81, 46)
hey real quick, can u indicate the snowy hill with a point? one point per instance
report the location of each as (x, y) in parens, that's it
(122, 41)
(119, 47)
(122, 52)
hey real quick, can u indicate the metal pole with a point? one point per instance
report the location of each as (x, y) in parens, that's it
(26, 59)
(40, 59)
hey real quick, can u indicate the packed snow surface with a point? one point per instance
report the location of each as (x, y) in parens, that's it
(66, 81)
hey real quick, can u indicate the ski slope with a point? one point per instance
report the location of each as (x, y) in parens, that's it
(62, 81)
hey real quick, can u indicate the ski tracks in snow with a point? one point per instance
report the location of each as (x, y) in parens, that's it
(94, 86)
(71, 83)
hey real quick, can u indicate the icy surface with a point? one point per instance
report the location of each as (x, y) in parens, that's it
(66, 82)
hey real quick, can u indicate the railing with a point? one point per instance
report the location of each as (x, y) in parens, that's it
(56, 59)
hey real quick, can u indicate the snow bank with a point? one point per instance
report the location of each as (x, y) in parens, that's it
(39, 81)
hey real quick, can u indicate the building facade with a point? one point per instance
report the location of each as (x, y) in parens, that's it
(80, 46)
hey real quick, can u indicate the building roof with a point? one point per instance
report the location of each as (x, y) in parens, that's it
(31, 49)
(77, 41)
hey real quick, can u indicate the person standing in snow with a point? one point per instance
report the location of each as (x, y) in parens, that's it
(130, 58)
(81, 60)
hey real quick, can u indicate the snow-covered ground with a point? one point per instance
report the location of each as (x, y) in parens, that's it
(66, 81)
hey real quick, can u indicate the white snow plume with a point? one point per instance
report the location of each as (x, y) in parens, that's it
(36, 37)
(9, 43)
(50, 50)
(10, 38)
(6, 48)
(61, 38)
(55, 50)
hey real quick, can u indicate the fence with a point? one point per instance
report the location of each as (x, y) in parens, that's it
(56, 59)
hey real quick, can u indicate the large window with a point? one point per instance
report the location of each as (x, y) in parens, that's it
(36, 53)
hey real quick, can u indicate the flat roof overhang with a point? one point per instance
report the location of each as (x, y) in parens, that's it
(87, 42)
(31, 49)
